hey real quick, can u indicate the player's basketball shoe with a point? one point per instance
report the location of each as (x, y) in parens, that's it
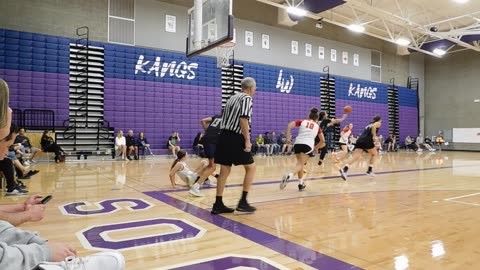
(285, 180)
(301, 186)
(243, 206)
(343, 174)
(221, 209)
(110, 260)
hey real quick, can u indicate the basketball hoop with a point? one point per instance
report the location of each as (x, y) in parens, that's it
(225, 54)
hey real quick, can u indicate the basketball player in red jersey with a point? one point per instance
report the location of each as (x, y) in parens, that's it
(304, 145)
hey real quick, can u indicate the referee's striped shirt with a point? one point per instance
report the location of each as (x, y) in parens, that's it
(239, 105)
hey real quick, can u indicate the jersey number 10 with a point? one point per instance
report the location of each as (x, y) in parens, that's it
(310, 125)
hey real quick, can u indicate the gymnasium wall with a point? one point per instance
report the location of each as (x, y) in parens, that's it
(158, 91)
(451, 88)
(43, 17)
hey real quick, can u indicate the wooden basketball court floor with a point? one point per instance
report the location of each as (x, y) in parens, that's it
(421, 211)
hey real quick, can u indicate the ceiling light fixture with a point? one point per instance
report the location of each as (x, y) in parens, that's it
(297, 11)
(356, 28)
(461, 1)
(439, 52)
(403, 41)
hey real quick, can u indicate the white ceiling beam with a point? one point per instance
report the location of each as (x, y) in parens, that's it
(452, 19)
(394, 18)
(316, 17)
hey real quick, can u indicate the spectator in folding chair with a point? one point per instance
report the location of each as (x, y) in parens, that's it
(49, 145)
(7, 168)
(172, 143)
(27, 146)
(132, 145)
(120, 145)
(143, 145)
(259, 144)
(22, 171)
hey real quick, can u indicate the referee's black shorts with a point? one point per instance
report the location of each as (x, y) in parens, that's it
(230, 149)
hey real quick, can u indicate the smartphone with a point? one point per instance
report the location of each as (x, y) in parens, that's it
(46, 199)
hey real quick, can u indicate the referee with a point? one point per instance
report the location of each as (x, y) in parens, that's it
(234, 146)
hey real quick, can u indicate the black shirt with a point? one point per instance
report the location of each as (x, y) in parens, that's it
(20, 139)
(211, 134)
(324, 124)
(130, 141)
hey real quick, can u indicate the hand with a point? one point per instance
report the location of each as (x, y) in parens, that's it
(35, 212)
(34, 199)
(60, 251)
(147, 145)
(248, 147)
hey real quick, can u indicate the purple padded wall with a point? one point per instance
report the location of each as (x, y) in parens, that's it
(158, 108)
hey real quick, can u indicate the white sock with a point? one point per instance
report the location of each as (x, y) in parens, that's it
(196, 186)
(300, 181)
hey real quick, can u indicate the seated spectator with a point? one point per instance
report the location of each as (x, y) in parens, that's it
(198, 146)
(131, 143)
(49, 145)
(410, 144)
(22, 171)
(6, 165)
(259, 143)
(428, 141)
(27, 146)
(142, 143)
(286, 147)
(391, 142)
(172, 143)
(420, 143)
(267, 140)
(121, 145)
(276, 146)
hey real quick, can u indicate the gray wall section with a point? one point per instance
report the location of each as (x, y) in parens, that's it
(56, 17)
(452, 83)
(150, 32)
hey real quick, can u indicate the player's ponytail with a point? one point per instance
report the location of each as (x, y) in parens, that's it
(180, 154)
(376, 118)
(313, 114)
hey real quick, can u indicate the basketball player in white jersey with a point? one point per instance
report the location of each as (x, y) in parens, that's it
(304, 145)
(180, 168)
(343, 141)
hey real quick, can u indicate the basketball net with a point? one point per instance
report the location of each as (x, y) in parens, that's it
(225, 54)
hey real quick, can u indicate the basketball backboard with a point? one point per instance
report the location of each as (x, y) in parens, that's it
(210, 25)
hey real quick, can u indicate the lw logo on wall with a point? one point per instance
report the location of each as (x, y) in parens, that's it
(362, 92)
(181, 70)
(283, 84)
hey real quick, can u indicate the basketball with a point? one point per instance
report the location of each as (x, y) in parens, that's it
(347, 109)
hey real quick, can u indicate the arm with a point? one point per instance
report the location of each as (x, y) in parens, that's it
(205, 122)
(246, 133)
(290, 126)
(375, 127)
(321, 143)
(178, 137)
(173, 171)
(336, 121)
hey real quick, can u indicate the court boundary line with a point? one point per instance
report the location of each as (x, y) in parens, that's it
(322, 178)
(454, 199)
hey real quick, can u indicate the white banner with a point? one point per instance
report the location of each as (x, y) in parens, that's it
(466, 135)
